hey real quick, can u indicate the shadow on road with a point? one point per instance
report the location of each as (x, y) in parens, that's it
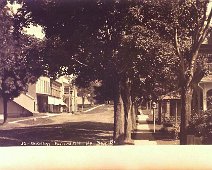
(69, 133)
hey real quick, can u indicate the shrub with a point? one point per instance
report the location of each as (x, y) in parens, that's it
(201, 125)
(167, 122)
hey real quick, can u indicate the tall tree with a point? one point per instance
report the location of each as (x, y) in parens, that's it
(19, 61)
(93, 40)
(186, 23)
(90, 32)
(87, 93)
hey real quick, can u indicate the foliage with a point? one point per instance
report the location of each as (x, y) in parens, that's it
(201, 125)
(185, 24)
(20, 60)
(176, 131)
(144, 43)
(87, 92)
(18, 57)
(99, 40)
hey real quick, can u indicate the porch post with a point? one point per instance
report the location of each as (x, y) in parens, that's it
(168, 108)
(204, 99)
(159, 111)
(150, 106)
(198, 100)
(74, 99)
(69, 100)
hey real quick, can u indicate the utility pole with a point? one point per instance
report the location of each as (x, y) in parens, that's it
(154, 107)
(74, 102)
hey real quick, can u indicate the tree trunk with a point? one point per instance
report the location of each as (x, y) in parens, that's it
(128, 123)
(118, 136)
(126, 97)
(136, 108)
(186, 98)
(83, 102)
(133, 115)
(5, 101)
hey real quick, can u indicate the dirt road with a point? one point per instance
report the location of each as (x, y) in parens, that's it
(91, 128)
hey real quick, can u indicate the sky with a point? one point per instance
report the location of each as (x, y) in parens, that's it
(35, 30)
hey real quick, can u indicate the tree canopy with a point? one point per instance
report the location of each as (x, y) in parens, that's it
(132, 44)
(102, 40)
(185, 24)
(20, 60)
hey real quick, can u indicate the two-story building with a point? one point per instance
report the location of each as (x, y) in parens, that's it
(52, 95)
(69, 92)
(205, 85)
(43, 90)
(45, 95)
(55, 100)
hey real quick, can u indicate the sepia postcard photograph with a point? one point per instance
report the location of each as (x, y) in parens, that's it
(99, 84)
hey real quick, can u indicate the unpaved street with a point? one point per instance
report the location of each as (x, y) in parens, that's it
(91, 128)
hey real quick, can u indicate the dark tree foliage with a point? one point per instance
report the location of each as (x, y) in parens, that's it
(185, 24)
(103, 40)
(20, 63)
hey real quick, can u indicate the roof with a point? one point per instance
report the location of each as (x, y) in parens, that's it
(171, 95)
(207, 78)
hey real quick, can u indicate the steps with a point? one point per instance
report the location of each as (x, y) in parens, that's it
(144, 132)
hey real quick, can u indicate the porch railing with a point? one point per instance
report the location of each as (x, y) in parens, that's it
(210, 68)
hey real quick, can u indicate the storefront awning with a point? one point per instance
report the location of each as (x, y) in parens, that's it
(62, 103)
(55, 101)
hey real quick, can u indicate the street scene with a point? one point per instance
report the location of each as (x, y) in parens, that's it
(93, 127)
(117, 82)
(105, 73)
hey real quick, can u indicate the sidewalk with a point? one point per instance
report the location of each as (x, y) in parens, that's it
(144, 134)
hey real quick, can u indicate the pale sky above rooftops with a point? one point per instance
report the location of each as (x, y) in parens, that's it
(35, 30)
